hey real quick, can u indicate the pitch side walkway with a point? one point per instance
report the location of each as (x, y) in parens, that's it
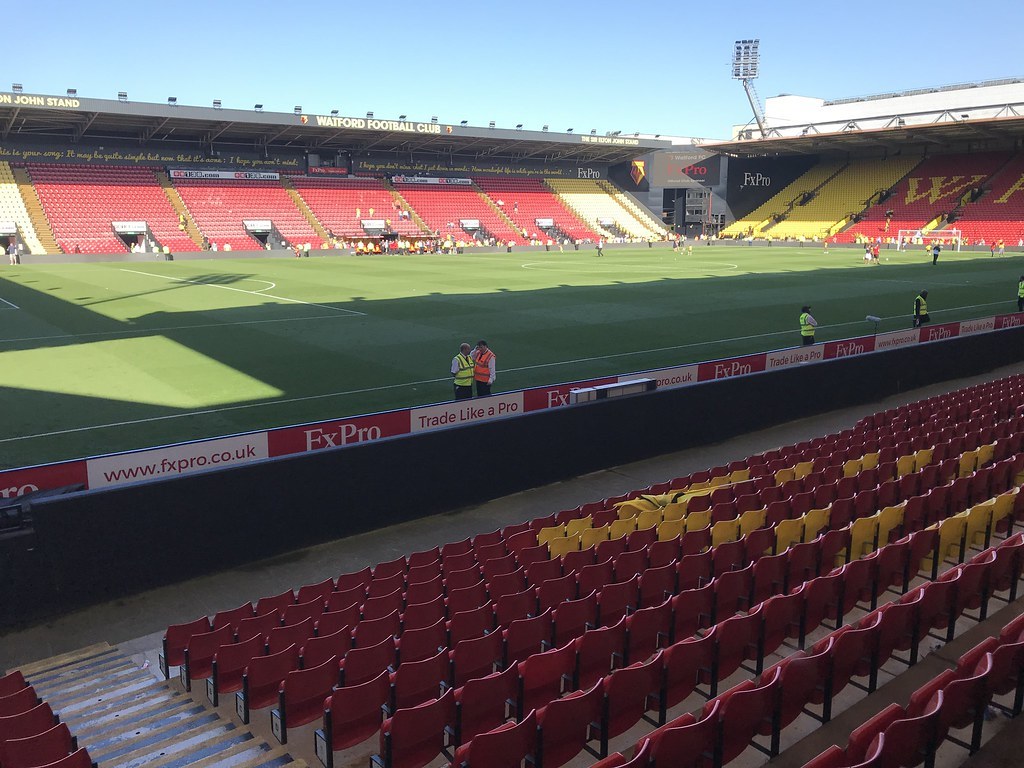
(135, 624)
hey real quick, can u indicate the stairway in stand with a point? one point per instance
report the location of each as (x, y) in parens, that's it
(400, 199)
(35, 211)
(128, 718)
(306, 211)
(191, 228)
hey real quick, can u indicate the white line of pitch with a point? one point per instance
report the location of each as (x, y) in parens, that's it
(327, 395)
(10, 305)
(242, 290)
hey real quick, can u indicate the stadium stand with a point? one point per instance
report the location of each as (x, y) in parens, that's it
(835, 555)
(442, 204)
(841, 197)
(779, 203)
(526, 200)
(776, 587)
(593, 203)
(12, 208)
(335, 203)
(936, 188)
(219, 208)
(81, 202)
(999, 213)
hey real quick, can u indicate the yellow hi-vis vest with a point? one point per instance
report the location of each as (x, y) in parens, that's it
(924, 305)
(464, 376)
(1020, 289)
(806, 329)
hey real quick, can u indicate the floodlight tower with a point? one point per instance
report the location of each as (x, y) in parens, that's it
(745, 62)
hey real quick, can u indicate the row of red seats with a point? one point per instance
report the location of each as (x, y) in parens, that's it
(31, 735)
(763, 707)
(953, 700)
(865, 579)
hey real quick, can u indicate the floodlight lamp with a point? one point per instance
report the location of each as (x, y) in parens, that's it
(216, 104)
(334, 112)
(568, 130)
(298, 109)
(258, 107)
(433, 119)
(464, 123)
(122, 95)
(745, 59)
(544, 128)
(519, 126)
(490, 124)
(369, 115)
(402, 117)
(593, 131)
(16, 87)
(965, 116)
(172, 101)
(72, 92)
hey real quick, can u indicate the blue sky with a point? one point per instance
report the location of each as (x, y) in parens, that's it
(649, 66)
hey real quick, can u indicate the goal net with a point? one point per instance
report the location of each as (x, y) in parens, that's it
(947, 238)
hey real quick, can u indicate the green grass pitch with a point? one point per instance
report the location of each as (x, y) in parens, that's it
(105, 357)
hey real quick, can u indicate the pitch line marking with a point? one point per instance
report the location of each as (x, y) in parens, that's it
(242, 290)
(10, 304)
(327, 395)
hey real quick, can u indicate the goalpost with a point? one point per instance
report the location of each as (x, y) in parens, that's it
(944, 237)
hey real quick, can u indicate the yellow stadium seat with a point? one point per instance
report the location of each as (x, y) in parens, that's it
(803, 469)
(591, 537)
(725, 530)
(968, 463)
(784, 476)
(698, 521)
(717, 482)
(905, 465)
(923, 457)
(751, 520)
(561, 547)
(863, 531)
(985, 454)
(575, 526)
(788, 533)
(622, 527)
(814, 521)
(889, 519)
(852, 467)
(1004, 506)
(648, 519)
(670, 529)
(951, 535)
(544, 535)
(739, 475)
(869, 460)
(979, 518)
(674, 511)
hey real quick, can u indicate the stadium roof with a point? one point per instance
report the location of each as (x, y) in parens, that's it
(987, 133)
(41, 116)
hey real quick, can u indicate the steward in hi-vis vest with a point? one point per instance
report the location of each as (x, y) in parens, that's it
(921, 309)
(1020, 294)
(463, 367)
(484, 372)
(807, 325)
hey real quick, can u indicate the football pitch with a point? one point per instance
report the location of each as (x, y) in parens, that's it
(96, 358)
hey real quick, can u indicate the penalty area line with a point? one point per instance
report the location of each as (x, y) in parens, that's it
(242, 290)
(10, 304)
